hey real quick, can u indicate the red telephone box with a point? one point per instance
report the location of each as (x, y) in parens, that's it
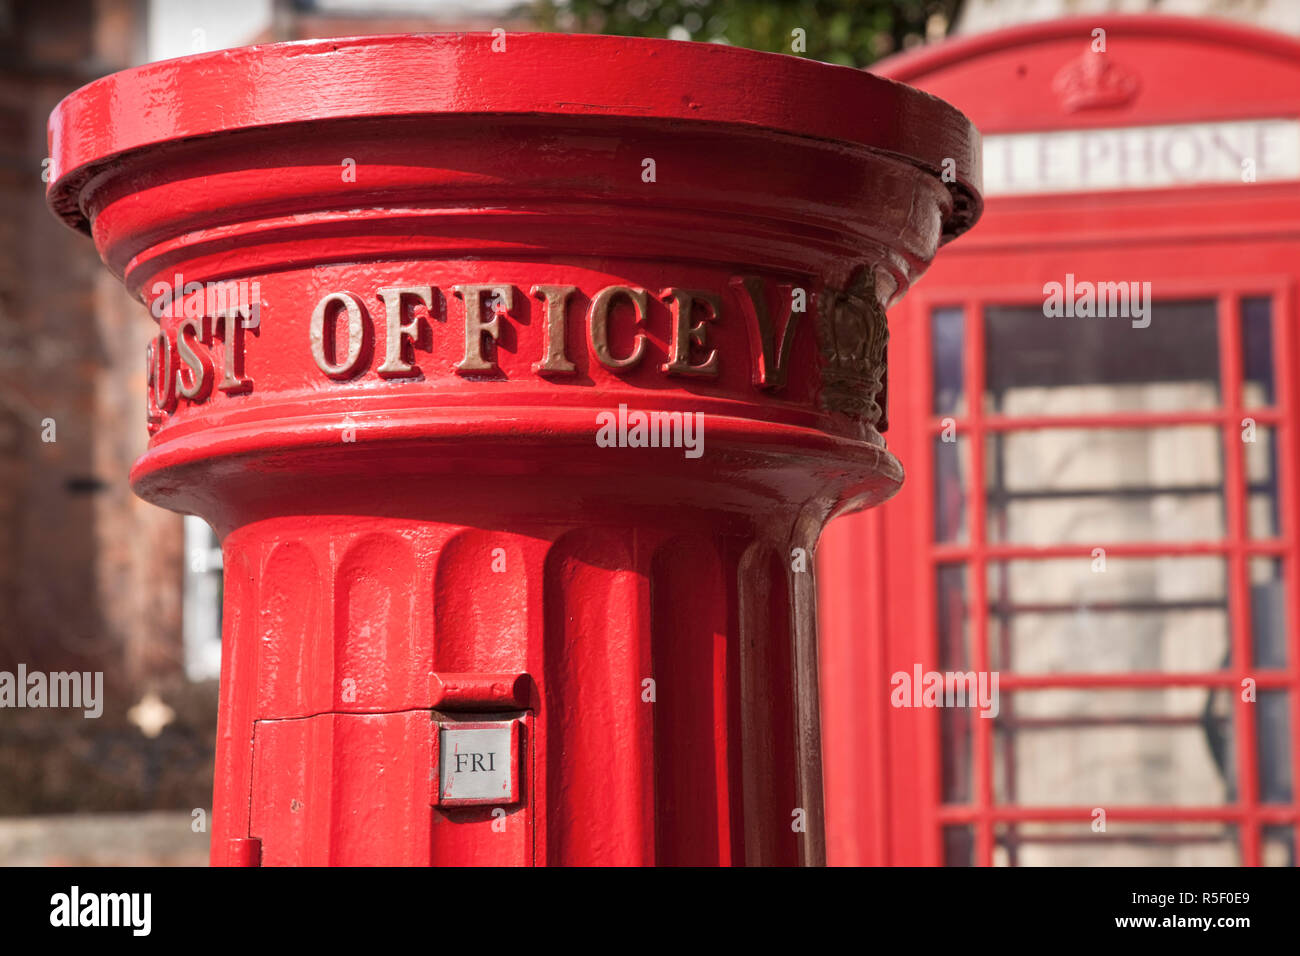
(1100, 509)
(518, 375)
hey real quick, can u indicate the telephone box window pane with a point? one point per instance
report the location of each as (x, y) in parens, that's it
(1040, 365)
(954, 655)
(1273, 739)
(1257, 352)
(1277, 845)
(1101, 485)
(1268, 613)
(947, 346)
(958, 846)
(1109, 615)
(1122, 843)
(1098, 748)
(954, 627)
(951, 479)
(955, 742)
(1259, 444)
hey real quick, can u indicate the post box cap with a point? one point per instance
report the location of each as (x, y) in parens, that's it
(543, 75)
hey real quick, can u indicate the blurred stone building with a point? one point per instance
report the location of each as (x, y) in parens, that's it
(90, 576)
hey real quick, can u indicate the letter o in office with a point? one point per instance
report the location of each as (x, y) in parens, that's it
(320, 332)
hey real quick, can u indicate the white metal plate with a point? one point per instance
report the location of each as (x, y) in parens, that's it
(477, 763)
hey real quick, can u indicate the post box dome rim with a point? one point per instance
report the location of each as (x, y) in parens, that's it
(207, 94)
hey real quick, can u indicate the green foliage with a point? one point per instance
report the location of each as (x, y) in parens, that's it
(849, 32)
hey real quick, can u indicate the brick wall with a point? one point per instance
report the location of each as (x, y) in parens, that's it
(90, 576)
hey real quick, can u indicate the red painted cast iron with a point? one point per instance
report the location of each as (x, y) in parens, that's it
(518, 375)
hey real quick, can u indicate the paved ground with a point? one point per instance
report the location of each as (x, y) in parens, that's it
(160, 838)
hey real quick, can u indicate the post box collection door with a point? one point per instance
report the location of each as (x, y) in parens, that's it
(517, 375)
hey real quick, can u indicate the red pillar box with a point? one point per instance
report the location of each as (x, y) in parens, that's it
(518, 375)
